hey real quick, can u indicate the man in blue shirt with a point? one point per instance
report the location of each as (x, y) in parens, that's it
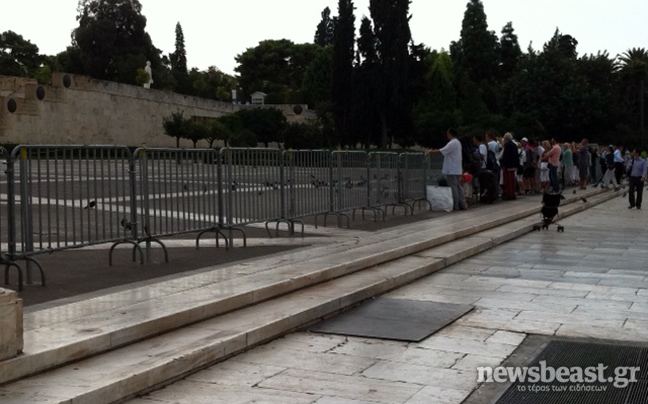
(637, 175)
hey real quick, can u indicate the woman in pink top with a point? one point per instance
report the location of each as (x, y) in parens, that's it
(553, 158)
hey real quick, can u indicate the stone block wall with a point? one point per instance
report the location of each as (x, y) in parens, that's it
(81, 110)
(11, 324)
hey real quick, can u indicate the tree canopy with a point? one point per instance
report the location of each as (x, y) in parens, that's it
(376, 88)
(112, 40)
(18, 56)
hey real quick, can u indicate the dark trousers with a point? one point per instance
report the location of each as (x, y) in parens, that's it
(636, 187)
(618, 172)
(553, 179)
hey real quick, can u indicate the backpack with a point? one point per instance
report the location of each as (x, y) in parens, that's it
(474, 160)
(491, 161)
(531, 160)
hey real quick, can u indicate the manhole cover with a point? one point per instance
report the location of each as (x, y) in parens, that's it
(395, 319)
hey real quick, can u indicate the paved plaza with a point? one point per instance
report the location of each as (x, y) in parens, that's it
(589, 282)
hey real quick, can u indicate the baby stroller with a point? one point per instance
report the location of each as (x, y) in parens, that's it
(549, 212)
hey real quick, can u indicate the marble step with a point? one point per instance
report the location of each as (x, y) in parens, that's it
(71, 332)
(160, 360)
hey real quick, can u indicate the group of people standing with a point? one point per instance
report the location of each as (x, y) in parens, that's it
(531, 167)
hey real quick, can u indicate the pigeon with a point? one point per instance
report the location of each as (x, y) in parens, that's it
(91, 205)
(574, 192)
(126, 225)
(584, 200)
(204, 188)
(184, 187)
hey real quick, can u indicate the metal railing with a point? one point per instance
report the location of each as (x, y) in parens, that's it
(65, 197)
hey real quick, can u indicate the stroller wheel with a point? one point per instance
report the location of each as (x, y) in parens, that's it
(536, 227)
(545, 227)
(561, 229)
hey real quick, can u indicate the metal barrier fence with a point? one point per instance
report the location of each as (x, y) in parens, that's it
(384, 168)
(351, 173)
(178, 193)
(414, 175)
(8, 222)
(253, 186)
(64, 197)
(310, 187)
(68, 197)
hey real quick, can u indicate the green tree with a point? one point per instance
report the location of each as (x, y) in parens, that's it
(244, 138)
(112, 40)
(477, 52)
(267, 124)
(437, 110)
(43, 74)
(68, 61)
(365, 122)
(218, 131)
(178, 61)
(325, 29)
(18, 56)
(196, 131)
(633, 88)
(316, 84)
(303, 136)
(510, 52)
(393, 36)
(275, 67)
(211, 83)
(175, 126)
(476, 58)
(342, 67)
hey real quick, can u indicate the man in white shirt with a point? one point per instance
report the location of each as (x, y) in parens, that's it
(452, 168)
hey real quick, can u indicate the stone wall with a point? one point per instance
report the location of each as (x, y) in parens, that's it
(11, 324)
(80, 110)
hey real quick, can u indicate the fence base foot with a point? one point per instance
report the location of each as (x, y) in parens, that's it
(218, 232)
(401, 205)
(290, 223)
(339, 216)
(231, 237)
(376, 211)
(11, 263)
(418, 202)
(156, 241)
(135, 245)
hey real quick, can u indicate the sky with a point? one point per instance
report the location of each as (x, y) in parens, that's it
(217, 31)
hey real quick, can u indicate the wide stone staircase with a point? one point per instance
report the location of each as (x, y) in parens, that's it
(118, 345)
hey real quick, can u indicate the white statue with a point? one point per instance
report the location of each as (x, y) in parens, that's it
(148, 70)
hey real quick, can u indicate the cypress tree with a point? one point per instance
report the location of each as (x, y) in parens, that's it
(393, 37)
(342, 71)
(324, 33)
(179, 63)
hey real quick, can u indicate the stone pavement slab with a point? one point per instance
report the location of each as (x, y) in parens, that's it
(541, 283)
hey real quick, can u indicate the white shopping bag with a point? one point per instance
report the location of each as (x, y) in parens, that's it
(440, 198)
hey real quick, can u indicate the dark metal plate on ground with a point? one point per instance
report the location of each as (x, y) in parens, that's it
(395, 319)
(591, 374)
